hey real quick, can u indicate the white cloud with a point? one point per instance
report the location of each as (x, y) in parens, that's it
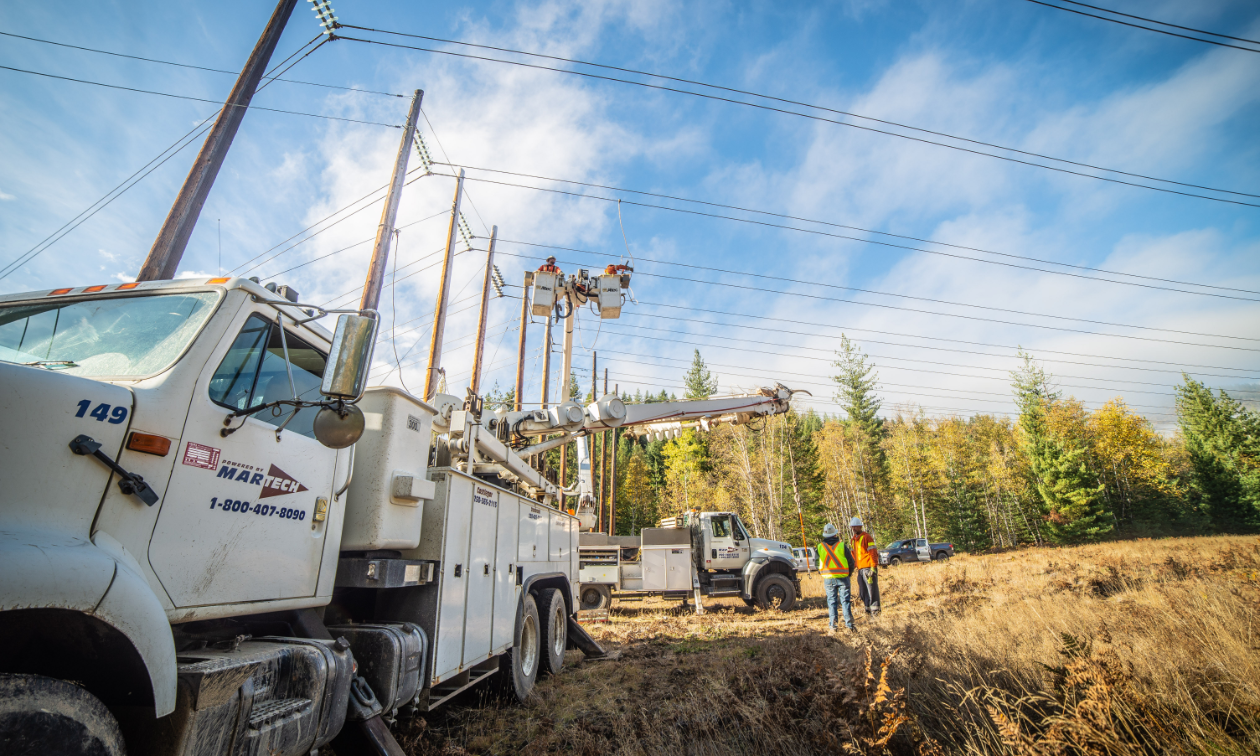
(5, 197)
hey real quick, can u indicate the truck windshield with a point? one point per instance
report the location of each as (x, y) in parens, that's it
(118, 337)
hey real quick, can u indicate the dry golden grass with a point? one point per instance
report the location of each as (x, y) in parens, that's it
(1136, 647)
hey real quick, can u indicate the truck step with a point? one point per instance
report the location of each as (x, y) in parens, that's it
(266, 713)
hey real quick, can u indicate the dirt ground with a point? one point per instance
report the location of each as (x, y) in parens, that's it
(1134, 647)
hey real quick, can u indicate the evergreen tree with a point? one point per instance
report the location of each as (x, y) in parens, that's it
(699, 382)
(856, 385)
(1222, 440)
(1072, 495)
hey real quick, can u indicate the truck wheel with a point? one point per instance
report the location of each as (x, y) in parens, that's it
(595, 596)
(894, 561)
(40, 715)
(518, 668)
(776, 592)
(942, 555)
(554, 628)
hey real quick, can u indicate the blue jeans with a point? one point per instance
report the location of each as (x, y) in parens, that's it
(838, 593)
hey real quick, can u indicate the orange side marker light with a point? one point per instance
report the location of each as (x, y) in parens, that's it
(149, 444)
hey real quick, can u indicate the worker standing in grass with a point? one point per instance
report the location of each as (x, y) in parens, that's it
(866, 557)
(835, 561)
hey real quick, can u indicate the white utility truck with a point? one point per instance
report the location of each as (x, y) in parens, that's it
(214, 540)
(700, 553)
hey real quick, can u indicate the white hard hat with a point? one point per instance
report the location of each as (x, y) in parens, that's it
(856, 522)
(829, 530)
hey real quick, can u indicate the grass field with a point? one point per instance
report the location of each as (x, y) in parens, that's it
(1135, 647)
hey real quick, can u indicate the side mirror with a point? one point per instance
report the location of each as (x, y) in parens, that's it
(339, 428)
(350, 358)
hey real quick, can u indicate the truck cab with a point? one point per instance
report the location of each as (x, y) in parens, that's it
(176, 539)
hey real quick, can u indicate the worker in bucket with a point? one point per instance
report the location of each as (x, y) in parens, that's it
(549, 266)
(867, 564)
(834, 563)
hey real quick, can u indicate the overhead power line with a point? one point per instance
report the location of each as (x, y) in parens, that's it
(832, 235)
(948, 314)
(832, 352)
(865, 230)
(198, 99)
(866, 291)
(814, 335)
(145, 170)
(1181, 367)
(764, 353)
(198, 68)
(1004, 378)
(1153, 21)
(809, 116)
(899, 393)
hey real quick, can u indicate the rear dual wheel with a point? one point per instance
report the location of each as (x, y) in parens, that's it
(518, 668)
(539, 643)
(595, 596)
(554, 624)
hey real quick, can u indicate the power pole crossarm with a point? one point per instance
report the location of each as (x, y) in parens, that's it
(168, 247)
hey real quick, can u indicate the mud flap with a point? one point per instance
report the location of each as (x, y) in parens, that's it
(579, 639)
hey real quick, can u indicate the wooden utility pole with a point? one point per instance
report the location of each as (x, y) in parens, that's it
(481, 319)
(546, 376)
(169, 245)
(444, 293)
(603, 463)
(612, 496)
(385, 230)
(520, 348)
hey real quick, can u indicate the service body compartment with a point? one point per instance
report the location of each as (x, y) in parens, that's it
(487, 541)
(666, 568)
(390, 460)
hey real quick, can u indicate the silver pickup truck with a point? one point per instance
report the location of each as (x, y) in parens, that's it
(914, 550)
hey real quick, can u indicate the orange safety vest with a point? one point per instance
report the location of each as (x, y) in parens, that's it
(864, 553)
(831, 564)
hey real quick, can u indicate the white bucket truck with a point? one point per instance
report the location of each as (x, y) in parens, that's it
(700, 553)
(198, 558)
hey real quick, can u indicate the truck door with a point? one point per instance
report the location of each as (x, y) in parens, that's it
(238, 521)
(921, 550)
(724, 552)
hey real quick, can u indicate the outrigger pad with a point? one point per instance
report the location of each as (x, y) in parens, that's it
(584, 642)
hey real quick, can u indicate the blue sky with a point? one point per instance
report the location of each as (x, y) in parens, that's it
(1007, 72)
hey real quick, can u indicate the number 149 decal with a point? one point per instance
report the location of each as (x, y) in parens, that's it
(102, 411)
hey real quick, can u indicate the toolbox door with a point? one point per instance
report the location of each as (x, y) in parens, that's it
(506, 590)
(479, 601)
(448, 648)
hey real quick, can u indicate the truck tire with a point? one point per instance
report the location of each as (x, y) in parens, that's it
(41, 715)
(894, 561)
(554, 630)
(595, 596)
(518, 668)
(941, 555)
(775, 592)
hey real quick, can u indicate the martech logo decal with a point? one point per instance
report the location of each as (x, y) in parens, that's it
(278, 483)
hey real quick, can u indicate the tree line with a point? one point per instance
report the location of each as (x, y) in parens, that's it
(1058, 473)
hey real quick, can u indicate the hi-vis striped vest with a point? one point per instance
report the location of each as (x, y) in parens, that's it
(831, 561)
